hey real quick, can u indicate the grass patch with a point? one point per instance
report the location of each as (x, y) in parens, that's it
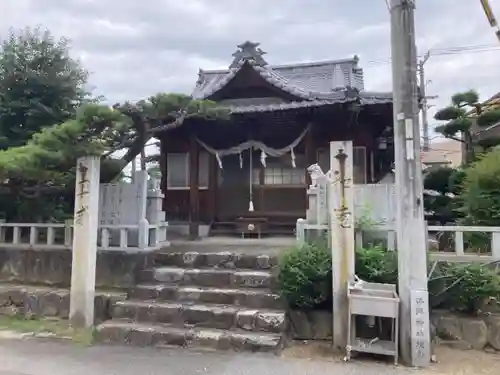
(58, 328)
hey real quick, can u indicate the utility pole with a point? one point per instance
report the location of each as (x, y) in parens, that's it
(423, 101)
(410, 224)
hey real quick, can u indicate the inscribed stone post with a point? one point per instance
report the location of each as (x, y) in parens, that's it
(85, 242)
(341, 205)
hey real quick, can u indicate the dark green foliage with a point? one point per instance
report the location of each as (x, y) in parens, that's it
(440, 188)
(488, 118)
(47, 121)
(463, 287)
(465, 111)
(306, 276)
(449, 113)
(480, 196)
(40, 84)
(438, 179)
(465, 99)
(459, 125)
(376, 264)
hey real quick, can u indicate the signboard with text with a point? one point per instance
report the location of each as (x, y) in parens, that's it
(420, 327)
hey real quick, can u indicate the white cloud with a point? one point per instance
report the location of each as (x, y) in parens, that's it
(136, 48)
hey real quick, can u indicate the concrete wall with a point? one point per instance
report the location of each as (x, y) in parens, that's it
(52, 267)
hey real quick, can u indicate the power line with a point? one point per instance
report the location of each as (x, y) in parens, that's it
(443, 52)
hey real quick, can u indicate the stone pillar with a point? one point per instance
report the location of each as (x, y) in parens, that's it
(341, 202)
(85, 242)
(194, 190)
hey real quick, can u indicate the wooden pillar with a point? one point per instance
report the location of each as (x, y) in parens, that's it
(213, 171)
(163, 170)
(310, 152)
(194, 191)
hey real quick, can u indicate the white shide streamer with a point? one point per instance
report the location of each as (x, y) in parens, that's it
(256, 145)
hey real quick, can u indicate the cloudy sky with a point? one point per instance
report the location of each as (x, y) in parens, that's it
(135, 48)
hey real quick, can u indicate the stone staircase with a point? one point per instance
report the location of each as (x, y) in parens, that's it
(216, 300)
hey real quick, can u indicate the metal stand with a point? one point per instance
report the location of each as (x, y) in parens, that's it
(377, 300)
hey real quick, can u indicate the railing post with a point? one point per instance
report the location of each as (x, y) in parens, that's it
(495, 245)
(33, 235)
(105, 238)
(50, 236)
(391, 240)
(359, 238)
(123, 238)
(2, 231)
(68, 235)
(16, 235)
(459, 243)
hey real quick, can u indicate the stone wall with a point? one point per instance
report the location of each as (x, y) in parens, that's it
(37, 302)
(458, 331)
(310, 325)
(466, 332)
(52, 267)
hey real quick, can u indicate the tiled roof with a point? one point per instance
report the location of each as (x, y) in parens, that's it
(443, 152)
(306, 81)
(364, 98)
(205, 87)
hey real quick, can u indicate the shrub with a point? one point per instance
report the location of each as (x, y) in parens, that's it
(463, 287)
(306, 276)
(377, 265)
(480, 195)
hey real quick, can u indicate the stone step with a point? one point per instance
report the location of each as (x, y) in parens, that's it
(218, 278)
(131, 333)
(201, 315)
(224, 260)
(252, 298)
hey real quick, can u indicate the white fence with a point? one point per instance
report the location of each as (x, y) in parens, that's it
(130, 219)
(41, 236)
(374, 215)
(445, 243)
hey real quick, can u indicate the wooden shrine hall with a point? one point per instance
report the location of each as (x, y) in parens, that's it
(247, 175)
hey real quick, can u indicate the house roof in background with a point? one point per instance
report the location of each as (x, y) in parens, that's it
(447, 152)
(323, 80)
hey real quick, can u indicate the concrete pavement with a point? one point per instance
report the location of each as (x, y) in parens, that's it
(36, 357)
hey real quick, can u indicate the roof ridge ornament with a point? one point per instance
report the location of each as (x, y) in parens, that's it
(250, 52)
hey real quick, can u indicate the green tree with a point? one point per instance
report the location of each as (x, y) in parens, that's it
(480, 196)
(45, 165)
(464, 116)
(441, 189)
(47, 120)
(40, 84)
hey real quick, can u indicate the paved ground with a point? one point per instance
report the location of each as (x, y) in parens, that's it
(38, 357)
(34, 357)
